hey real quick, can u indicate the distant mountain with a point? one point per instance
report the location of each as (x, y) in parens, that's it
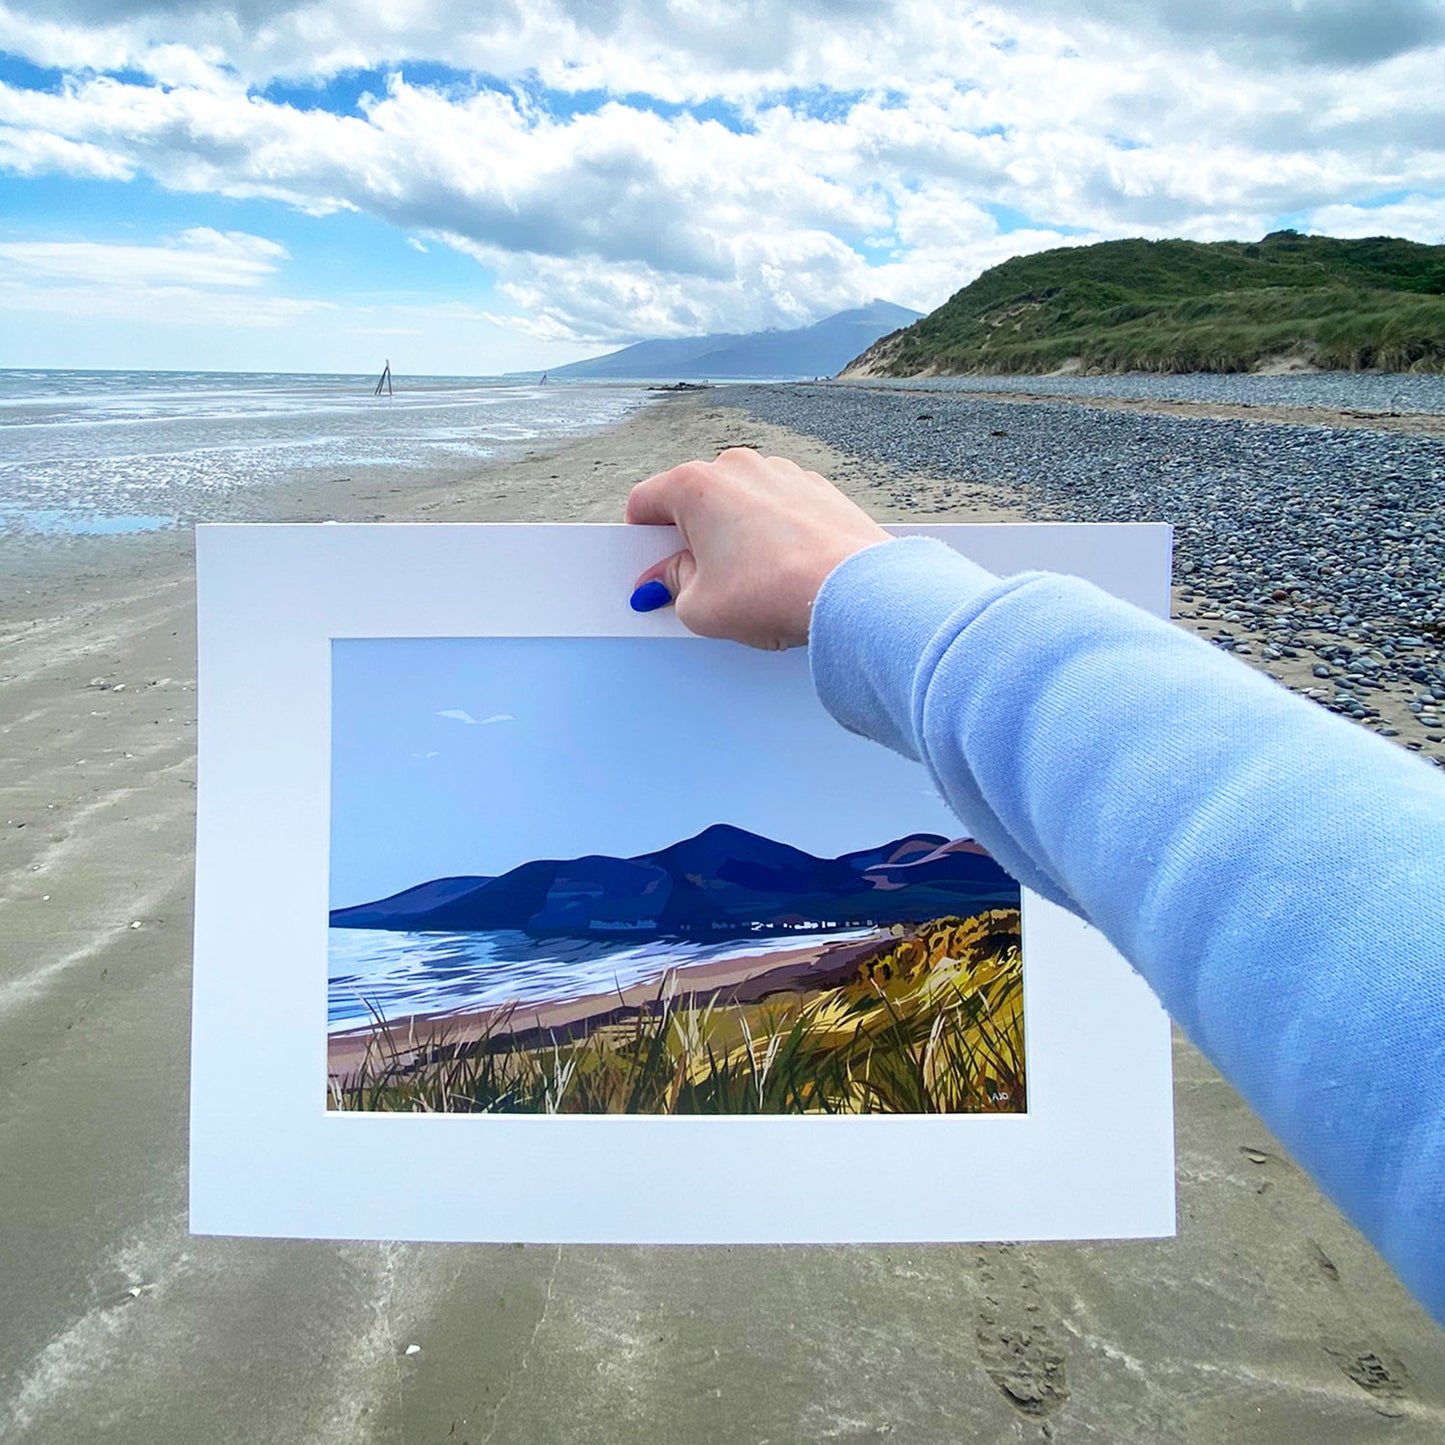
(1284, 302)
(723, 881)
(818, 350)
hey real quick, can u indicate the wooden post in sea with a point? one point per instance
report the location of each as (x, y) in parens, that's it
(385, 380)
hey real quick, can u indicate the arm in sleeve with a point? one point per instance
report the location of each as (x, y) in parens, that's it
(1276, 874)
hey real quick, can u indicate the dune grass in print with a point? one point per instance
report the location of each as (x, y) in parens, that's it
(928, 1021)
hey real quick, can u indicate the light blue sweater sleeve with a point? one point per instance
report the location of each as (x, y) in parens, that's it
(1277, 874)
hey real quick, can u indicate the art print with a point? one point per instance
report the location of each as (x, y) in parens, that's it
(544, 900)
(521, 916)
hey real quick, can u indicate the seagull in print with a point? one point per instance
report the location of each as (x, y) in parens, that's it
(460, 715)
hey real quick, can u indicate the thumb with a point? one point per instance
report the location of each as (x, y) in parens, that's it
(664, 582)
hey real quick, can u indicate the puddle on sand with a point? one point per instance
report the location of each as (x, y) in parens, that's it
(80, 524)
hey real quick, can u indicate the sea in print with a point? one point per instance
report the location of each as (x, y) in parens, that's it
(110, 452)
(377, 975)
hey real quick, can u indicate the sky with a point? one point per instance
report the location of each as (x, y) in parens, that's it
(477, 188)
(463, 756)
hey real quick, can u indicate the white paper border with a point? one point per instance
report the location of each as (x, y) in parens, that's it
(1092, 1158)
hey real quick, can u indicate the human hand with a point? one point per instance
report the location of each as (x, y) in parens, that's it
(761, 535)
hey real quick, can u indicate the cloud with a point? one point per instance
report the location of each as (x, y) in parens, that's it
(202, 277)
(156, 306)
(198, 257)
(674, 49)
(682, 50)
(1262, 34)
(36, 152)
(624, 169)
(1421, 217)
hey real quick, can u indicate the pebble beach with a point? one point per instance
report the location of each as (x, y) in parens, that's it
(1268, 1319)
(1311, 549)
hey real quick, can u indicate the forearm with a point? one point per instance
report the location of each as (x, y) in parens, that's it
(1276, 874)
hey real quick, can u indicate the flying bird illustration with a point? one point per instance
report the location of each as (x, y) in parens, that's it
(462, 716)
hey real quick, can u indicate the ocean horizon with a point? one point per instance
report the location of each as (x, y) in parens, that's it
(376, 974)
(109, 452)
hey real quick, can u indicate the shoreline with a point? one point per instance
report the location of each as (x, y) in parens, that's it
(741, 979)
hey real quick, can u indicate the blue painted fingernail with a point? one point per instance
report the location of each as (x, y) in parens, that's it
(650, 596)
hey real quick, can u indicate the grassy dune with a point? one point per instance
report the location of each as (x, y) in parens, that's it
(1371, 304)
(931, 1024)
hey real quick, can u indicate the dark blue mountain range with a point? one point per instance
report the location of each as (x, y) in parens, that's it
(723, 881)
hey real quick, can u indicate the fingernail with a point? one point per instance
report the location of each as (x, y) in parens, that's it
(650, 596)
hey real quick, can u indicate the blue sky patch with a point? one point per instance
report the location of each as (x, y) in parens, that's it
(818, 102)
(341, 94)
(1009, 219)
(25, 76)
(565, 104)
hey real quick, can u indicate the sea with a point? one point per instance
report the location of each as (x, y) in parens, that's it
(380, 974)
(109, 452)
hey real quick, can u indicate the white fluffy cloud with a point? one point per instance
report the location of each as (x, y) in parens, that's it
(203, 277)
(792, 158)
(197, 257)
(690, 49)
(1420, 217)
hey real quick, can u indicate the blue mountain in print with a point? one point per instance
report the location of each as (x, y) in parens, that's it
(725, 880)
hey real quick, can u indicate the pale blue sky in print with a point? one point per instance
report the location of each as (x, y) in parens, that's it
(471, 756)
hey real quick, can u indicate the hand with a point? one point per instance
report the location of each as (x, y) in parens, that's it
(761, 535)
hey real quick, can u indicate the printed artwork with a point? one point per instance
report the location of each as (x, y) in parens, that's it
(686, 955)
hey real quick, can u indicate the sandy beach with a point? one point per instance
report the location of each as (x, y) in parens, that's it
(1267, 1320)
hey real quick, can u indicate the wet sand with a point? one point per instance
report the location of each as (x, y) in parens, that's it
(1268, 1319)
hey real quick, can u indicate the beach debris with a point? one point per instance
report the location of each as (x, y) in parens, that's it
(135, 923)
(412, 1350)
(1323, 1262)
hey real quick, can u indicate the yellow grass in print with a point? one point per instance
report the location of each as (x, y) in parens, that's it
(930, 1021)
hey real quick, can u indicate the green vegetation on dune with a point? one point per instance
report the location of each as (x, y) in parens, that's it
(1377, 303)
